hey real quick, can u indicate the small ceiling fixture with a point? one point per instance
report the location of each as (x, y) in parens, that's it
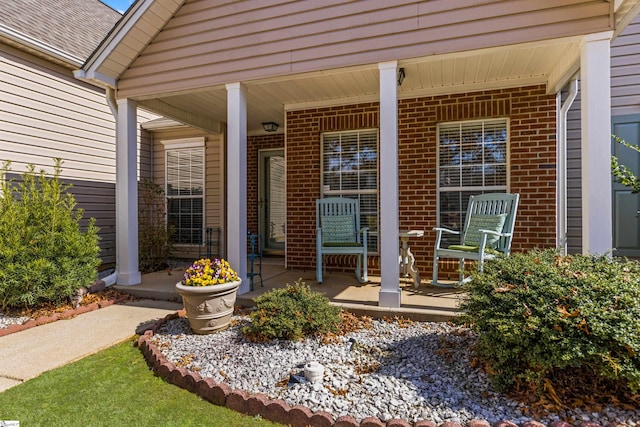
(270, 126)
(401, 76)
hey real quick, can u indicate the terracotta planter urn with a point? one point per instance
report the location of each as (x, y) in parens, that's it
(209, 308)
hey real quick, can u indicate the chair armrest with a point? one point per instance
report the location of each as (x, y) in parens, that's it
(446, 230)
(439, 231)
(495, 233)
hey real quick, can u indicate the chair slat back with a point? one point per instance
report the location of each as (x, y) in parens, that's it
(495, 204)
(339, 207)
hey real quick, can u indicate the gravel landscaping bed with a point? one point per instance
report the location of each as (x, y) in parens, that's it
(395, 370)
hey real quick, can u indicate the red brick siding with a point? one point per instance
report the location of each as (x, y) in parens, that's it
(532, 164)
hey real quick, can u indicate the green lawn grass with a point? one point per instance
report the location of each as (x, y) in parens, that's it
(114, 387)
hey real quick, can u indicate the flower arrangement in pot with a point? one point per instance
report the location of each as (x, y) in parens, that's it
(208, 292)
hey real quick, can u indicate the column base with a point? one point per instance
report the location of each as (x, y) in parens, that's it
(389, 298)
(128, 279)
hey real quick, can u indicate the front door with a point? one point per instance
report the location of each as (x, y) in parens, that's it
(626, 205)
(272, 200)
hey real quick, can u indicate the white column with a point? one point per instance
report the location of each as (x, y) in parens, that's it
(595, 60)
(389, 243)
(127, 194)
(237, 181)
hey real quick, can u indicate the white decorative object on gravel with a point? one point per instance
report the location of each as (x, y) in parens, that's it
(313, 371)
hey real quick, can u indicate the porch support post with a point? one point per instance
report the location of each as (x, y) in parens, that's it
(128, 272)
(237, 181)
(597, 233)
(389, 234)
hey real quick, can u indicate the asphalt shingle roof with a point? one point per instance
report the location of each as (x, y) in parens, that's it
(72, 26)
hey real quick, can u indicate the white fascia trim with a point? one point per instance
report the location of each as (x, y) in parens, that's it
(622, 24)
(183, 143)
(127, 22)
(39, 45)
(95, 78)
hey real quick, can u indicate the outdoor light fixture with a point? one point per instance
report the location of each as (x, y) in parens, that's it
(270, 126)
(401, 76)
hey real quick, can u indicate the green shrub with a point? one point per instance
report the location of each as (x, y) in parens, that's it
(292, 313)
(44, 254)
(541, 312)
(154, 237)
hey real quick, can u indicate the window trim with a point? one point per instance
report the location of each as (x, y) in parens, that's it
(185, 144)
(484, 189)
(176, 144)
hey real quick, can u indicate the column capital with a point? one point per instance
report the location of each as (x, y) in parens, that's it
(387, 65)
(593, 37)
(235, 86)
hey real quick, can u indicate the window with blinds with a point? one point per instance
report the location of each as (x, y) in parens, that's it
(472, 159)
(185, 194)
(350, 169)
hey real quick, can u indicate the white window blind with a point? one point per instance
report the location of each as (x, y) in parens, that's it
(472, 159)
(350, 169)
(185, 194)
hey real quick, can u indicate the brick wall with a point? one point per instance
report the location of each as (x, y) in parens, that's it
(532, 165)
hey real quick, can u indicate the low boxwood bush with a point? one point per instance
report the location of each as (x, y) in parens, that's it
(45, 255)
(291, 313)
(539, 313)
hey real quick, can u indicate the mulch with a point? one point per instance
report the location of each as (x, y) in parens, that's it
(48, 312)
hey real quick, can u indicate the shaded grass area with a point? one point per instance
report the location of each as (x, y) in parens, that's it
(114, 387)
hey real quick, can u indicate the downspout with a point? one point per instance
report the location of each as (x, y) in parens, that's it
(111, 102)
(561, 228)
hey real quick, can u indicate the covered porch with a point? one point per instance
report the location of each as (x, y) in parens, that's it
(425, 303)
(397, 80)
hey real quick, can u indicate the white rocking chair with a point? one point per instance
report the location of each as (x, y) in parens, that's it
(338, 232)
(487, 233)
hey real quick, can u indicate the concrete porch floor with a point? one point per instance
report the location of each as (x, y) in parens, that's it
(427, 303)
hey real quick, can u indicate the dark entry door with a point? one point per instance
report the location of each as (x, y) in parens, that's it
(626, 205)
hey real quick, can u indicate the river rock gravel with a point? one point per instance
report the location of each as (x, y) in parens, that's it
(412, 371)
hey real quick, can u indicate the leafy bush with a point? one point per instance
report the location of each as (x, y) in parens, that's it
(620, 172)
(44, 254)
(291, 313)
(541, 312)
(154, 236)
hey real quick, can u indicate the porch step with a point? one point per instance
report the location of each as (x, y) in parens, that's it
(376, 312)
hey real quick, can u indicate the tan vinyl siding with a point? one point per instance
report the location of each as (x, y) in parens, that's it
(207, 41)
(45, 113)
(214, 180)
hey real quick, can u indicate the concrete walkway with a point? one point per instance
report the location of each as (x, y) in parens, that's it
(27, 354)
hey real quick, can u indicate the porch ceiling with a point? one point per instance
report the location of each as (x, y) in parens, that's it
(551, 62)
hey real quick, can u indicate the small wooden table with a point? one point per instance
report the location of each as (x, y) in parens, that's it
(407, 260)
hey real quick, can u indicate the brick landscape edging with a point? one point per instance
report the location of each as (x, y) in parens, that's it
(278, 410)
